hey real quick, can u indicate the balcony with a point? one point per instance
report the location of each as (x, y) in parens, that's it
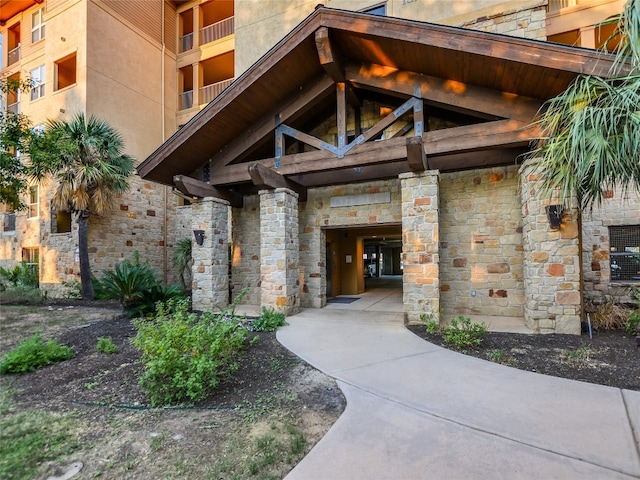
(186, 42)
(209, 92)
(217, 31)
(556, 5)
(14, 108)
(14, 55)
(185, 100)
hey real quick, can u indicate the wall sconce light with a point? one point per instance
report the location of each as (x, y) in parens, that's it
(554, 215)
(199, 234)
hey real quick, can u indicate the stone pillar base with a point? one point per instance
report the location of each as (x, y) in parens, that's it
(421, 282)
(210, 270)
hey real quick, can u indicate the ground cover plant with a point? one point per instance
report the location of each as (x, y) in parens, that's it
(34, 353)
(257, 423)
(610, 357)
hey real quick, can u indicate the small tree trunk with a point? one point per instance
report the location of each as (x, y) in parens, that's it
(83, 251)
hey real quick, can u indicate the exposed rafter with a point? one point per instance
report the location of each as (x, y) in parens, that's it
(265, 177)
(333, 65)
(196, 188)
(416, 156)
(341, 150)
(265, 126)
(451, 95)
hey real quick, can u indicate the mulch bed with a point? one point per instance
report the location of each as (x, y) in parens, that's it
(610, 358)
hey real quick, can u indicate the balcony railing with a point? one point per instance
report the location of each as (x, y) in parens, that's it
(14, 55)
(216, 31)
(14, 108)
(186, 42)
(185, 100)
(210, 92)
(555, 5)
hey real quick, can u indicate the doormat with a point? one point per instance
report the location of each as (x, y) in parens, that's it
(342, 299)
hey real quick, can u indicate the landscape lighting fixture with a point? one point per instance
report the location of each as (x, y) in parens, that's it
(554, 215)
(199, 235)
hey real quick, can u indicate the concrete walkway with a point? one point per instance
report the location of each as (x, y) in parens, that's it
(415, 410)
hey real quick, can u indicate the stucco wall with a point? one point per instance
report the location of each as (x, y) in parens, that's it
(260, 25)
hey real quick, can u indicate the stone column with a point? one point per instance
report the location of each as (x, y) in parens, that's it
(210, 270)
(279, 250)
(420, 275)
(551, 267)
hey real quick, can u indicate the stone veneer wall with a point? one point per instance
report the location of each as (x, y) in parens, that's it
(481, 252)
(421, 277)
(551, 268)
(210, 271)
(245, 253)
(357, 204)
(525, 23)
(617, 210)
(136, 222)
(279, 250)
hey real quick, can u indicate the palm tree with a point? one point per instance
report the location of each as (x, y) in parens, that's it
(90, 168)
(590, 140)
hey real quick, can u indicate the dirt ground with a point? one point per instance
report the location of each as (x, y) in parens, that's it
(610, 358)
(273, 391)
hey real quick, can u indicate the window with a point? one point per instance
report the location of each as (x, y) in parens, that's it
(37, 25)
(30, 257)
(380, 9)
(37, 82)
(624, 256)
(65, 71)
(9, 218)
(60, 221)
(34, 201)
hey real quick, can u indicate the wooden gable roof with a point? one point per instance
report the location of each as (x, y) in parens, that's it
(500, 79)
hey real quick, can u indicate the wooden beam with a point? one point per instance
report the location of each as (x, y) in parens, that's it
(265, 126)
(446, 93)
(341, 114)
(262, 176)
(513, 49)
(332, 64)
(468, 138)
(416, 156)
(196, 188)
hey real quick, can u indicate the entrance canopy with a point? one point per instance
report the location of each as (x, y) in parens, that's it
(318, 107)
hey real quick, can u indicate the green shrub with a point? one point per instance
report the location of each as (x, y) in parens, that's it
(631, 326)
(463, 333)
(430, 322)
(269, 321)
(106, 345)
(136, 286)
(23, 295)
(22, 275)
(185, 356)
(182, 261)
(72, 289)
(32, 354)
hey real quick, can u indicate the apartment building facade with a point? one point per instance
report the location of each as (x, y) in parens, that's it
(487, 253)
(150, 67)
(128, 63)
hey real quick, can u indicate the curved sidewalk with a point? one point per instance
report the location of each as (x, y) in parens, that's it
(415, 410)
